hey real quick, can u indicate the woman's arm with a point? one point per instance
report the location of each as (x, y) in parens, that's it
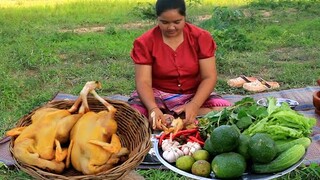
(143, 80)
(208, 75)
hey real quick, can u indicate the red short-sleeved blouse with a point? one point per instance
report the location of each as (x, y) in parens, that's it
(174, 71)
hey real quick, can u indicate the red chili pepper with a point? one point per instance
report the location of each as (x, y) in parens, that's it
(184, 132)
(162, 137)
(194, 139)
(198, 136)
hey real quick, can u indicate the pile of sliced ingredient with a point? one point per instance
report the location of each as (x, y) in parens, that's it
(242, 138)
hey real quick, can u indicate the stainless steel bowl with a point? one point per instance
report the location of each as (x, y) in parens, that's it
(245, 176)
(290, 102)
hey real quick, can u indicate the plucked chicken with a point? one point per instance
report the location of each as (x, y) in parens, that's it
(39, 144)
(94, 145)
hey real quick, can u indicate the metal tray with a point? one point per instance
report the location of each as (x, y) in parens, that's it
(245, 176)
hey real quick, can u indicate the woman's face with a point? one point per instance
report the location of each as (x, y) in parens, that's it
(171, 23)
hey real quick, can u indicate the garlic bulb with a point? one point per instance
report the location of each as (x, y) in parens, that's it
(190, 148)
(168, 143)
(172, 154)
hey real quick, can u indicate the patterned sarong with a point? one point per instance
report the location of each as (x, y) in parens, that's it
(171, 103)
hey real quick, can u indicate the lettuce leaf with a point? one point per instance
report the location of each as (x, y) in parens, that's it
(282, 123)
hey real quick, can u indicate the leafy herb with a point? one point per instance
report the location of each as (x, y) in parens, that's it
(242, 114)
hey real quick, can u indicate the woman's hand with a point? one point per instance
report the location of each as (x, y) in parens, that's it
(191, 110)
(155, 118)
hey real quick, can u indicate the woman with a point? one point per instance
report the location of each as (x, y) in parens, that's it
(175, 70)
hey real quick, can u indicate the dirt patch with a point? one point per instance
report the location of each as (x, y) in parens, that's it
(292, 10)
(265, 14)
(81, 30)
(203, 17)
(63, 56)
(84, 29)
(133, 25)
(137, 25)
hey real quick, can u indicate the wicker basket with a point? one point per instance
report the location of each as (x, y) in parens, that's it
(133, 130)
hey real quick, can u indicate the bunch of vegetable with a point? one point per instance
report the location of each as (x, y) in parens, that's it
(183, 136)
(242, 114)
(233, 154)
(184, 142)
(284, 131)
(281, 122)
(265, 139)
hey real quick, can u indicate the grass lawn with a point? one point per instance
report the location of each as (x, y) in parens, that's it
(56, 46)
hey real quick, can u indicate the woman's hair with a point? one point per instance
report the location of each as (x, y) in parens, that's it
(164, 5)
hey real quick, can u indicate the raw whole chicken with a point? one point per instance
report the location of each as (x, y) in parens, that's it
(39, 144)
(94, 145)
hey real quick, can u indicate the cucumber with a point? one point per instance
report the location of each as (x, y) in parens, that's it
(285, 160)
(285, 145)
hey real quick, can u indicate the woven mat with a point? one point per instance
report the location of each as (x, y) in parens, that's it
(302, 95)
